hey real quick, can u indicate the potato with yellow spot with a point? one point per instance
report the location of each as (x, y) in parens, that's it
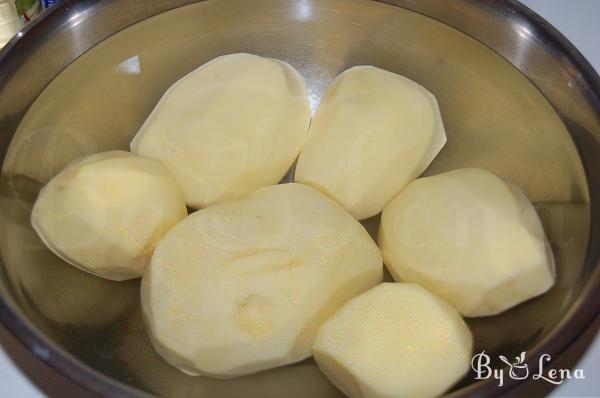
(105, 213)
(396, 340)
(242, 287)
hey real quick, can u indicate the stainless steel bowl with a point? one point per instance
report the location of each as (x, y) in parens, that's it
(516, 97)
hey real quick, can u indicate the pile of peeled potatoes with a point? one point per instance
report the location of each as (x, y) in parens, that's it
(267, 274)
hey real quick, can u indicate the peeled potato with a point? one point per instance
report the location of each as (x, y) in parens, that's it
(374, 132)
(471, 238)
(51, 291)
(242, 287)
(106, 212)
(395, 340)
(234, 125)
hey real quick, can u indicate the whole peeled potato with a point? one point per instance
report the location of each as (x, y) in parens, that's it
(471, 238)
(396, 340)
(242, 287)
(374, 132)
(231, 126)
(106, 212)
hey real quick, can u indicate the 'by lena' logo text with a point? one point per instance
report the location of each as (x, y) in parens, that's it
(518, 370)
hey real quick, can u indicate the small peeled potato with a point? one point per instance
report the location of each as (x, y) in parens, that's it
(231, 126)
(471, 238)
(105, 213)
(242, 287)
(374, 132)
(396, 340)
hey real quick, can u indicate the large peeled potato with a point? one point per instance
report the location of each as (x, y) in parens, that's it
(374, 132)
(470, 237)
(235, 124)
(396, 340)
(242, 287)
(106, 212)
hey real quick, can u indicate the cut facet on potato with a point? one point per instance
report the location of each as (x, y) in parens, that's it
(242, 287)
(106, 212)
(471, 238)
(233, 125)
(396, 340)
(374, 132)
